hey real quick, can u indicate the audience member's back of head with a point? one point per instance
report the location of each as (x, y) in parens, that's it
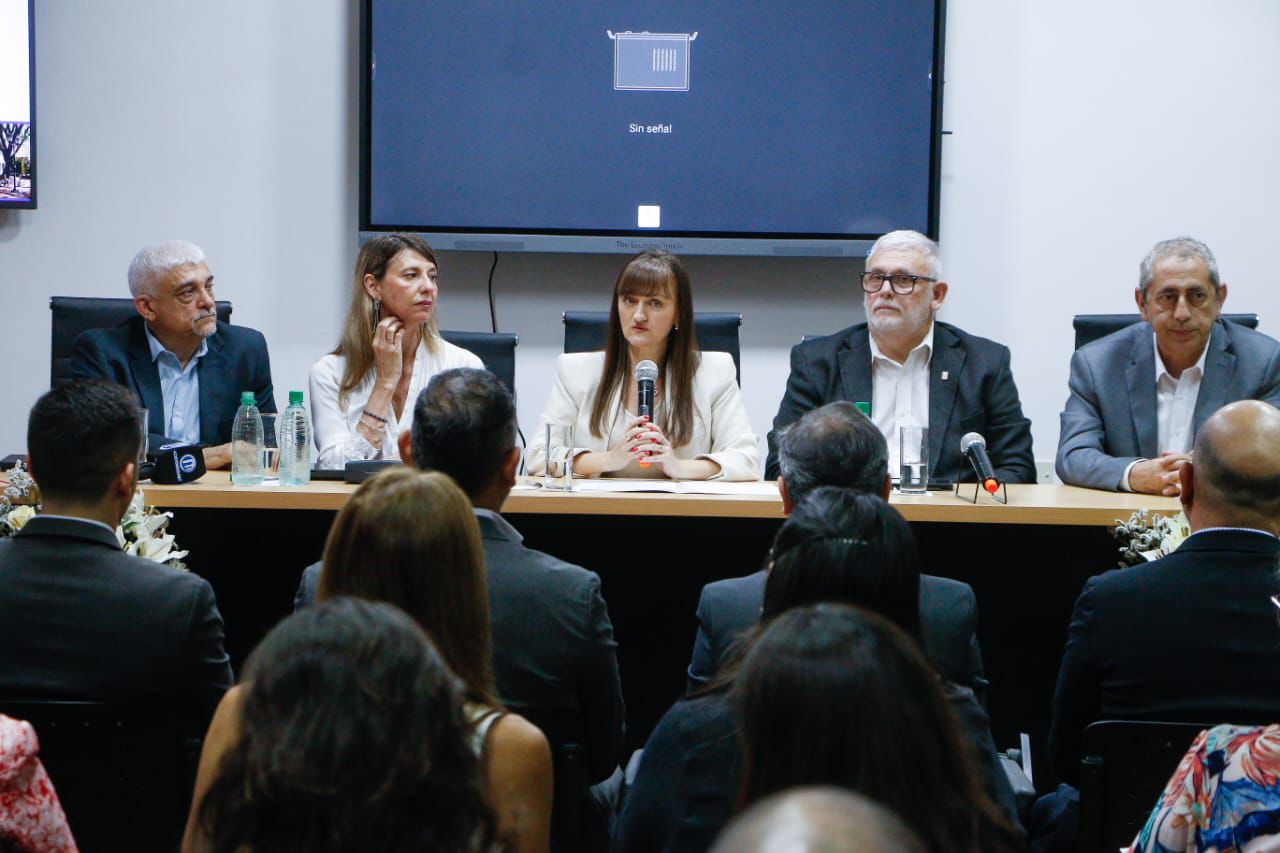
(833, 695)
(845, 546)
(79, 437)
(1236, 462)
(351, 737)
(817, 820)
(833, 445)
(464, 424)
(410, 538)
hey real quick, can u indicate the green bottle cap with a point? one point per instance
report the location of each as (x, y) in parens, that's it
(865, 408)
(246, 399)
(295, 398)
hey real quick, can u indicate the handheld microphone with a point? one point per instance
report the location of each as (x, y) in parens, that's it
(646, 377)
(974, 448)
(173, 464)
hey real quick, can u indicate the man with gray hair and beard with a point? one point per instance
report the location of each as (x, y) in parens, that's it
(186, 367)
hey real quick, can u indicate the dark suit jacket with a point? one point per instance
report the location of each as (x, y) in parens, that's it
(978, 395)
(236, 361)
(1191, 637)
(553, 646)
(1110, 417)
(80, 619)
(948, 620)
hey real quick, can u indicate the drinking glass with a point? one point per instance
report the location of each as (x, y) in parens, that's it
(270, 445)
(913, 459)
(144, 419)
(559, 472)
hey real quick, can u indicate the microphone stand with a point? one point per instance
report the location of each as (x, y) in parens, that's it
(1002, 497)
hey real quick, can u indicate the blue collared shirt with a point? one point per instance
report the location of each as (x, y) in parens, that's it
(180, 388)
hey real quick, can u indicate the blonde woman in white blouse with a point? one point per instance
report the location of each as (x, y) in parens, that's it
(699, 429)
(362, 393)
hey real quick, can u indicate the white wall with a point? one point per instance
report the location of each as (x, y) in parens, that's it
(1082, 133)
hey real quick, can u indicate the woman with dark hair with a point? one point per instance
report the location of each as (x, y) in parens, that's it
(699, 428)
(833, 695)
(362, 393)
(838, 545)
(347, 732)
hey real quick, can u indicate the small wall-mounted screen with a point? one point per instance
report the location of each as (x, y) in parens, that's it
(17, 105)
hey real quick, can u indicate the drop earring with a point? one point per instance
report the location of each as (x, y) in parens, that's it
(377, 311)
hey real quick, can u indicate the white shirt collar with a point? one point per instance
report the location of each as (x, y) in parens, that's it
(926, 344)
(157, 348)
(1162, 371)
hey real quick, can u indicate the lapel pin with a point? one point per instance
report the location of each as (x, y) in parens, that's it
(945, 374)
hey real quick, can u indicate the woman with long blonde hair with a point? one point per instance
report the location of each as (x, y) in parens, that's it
(362, 393)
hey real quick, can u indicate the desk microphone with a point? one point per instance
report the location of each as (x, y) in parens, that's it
(974, 448)
(646, 377)
(173, 464)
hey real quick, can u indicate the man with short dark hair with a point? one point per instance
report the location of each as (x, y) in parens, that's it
(1139, 396)
(836, 445)
(187, 368)
(553, 646)
(1191, 637)
(80, 619)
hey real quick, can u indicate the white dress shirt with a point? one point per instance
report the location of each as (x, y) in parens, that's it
(337, 439)
(1175, 407)
(900, 393)
(180, 390)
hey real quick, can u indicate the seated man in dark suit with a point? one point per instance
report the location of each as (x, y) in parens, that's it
(187, 368)
(836, 445)
(553, 646)
(1140, 395)
(79, 618)
(913, 371)
(1190, 637)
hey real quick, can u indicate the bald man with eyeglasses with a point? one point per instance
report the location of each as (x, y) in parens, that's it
(913, 371)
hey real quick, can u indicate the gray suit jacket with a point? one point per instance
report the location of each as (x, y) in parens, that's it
(553, 647)
(1110, 417)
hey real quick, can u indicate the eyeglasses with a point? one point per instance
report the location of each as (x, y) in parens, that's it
(902, 284)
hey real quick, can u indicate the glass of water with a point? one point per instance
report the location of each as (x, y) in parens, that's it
(270, 446)
(913, 459)
(559, 472)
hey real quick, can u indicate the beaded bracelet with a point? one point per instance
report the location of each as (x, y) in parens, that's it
(378, 418)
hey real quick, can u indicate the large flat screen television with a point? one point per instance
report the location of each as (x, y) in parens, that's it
(724, 127)
(17, 104)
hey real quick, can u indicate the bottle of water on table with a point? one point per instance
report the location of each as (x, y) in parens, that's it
(295, 443)
(247, 443)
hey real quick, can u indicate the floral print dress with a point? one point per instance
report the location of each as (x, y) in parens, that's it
(30, 814)
(1224, 796)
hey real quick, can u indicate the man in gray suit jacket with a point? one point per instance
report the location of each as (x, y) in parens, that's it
(79, 618)
(835, 445)
(1139, 396)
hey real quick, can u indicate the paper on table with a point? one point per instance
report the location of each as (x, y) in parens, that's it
(767, 488)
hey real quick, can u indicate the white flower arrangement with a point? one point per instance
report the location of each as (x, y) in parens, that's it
(142, 532)
(1148, 536)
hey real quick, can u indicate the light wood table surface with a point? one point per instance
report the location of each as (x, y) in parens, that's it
(1029, 504)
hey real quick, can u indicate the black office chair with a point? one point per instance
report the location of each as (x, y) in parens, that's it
(75, 314)
(584, 331)
(1125, 766)
(575, 824)
(496, 349)
(124, 775)
(1090, 327)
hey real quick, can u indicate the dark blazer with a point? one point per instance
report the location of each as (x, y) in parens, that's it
(1191, 637)
(236, 361)
(80, 619)
(978, 395)
(948, 620)
(1110, 417)
(553, 646)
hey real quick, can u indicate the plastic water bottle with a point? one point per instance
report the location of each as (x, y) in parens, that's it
(246, 443)
(295, 443)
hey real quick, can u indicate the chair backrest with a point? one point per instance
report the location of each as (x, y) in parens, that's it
(1125, 766)
(75, 314)
(584, 331)
(120, 772)
(570, 814)
(1090, 327)
(496, 349)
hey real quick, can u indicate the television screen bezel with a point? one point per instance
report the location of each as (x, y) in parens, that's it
(29, 204)
(598, 241)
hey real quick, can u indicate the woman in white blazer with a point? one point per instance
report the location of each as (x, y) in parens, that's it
(362, 393)
(699, 429)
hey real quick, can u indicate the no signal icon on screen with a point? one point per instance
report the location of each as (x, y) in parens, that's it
(651, 62)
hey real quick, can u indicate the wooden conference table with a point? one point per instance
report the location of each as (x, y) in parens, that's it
(1027, 562)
